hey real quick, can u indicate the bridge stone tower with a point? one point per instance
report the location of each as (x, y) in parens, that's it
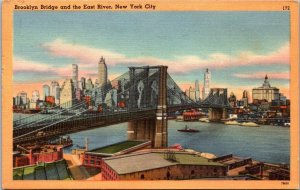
(218, 104)
(149, 91)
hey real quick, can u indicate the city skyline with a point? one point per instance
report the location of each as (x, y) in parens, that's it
(242, 54)
(198, 89)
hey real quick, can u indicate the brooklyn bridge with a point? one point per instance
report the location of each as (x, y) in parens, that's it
(143, 97)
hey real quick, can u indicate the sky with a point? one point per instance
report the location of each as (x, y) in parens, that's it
(239, 48)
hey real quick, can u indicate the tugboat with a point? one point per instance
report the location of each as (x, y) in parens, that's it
(189, 130)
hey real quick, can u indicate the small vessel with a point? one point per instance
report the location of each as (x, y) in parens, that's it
(187, 129)
(232, 123)
(204, 119)
(179, 118)
(249, 124)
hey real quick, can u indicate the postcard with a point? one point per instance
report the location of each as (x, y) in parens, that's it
(150, 94)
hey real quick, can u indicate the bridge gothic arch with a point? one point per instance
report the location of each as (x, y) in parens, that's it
(149, 90)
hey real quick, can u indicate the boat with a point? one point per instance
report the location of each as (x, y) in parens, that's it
(249, 124)
(191, 115)
(179, 118)
(204, 119)
(187, 129)
(232, 123)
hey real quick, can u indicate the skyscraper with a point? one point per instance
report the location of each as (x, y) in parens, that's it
(97, 83)
(53, 88)
(75, 75)
(197, 91)
(232, 100)
(57, 95)
(245, 98)
(55, 91)
(22, 97)
(206, 87)
(89, 84)
(83, 83)
(245, 94)
(17, 100)
(80, 85)
(35, 96)
(102, 73)
(46, 90)
(67, 94)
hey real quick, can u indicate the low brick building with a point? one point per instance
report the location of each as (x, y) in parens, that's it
(93, 158)
(160, 166)
(36, 155)
(279, 174)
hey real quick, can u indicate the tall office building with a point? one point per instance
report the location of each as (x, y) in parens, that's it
(111, 98)
(192, 93)
(57, 95)
(232, 100)
(67, 94)
(97, 94)
(97, 83)
(17, 100)
(80, 85)
(197, 91)
(83, 83)
(22, 98)
(206, 87)
(265, 92)
(54, 84)
(46, 91)
(78, 94)
(245, 98)
(55, 91)
(75, 75)
(89, 84)
(102, 73)
(35, 96)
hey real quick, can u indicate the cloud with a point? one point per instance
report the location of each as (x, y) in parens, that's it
(80, 53)
(261, 75)
(89, 56)
(22, 66)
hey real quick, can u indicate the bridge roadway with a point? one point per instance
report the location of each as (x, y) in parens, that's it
(53, 118)
(90, 121)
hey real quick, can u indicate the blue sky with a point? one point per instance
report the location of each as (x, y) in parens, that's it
(238, 47)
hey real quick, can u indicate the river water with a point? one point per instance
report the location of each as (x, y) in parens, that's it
(264, 143)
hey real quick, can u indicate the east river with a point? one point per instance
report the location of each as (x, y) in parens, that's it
(265, 143)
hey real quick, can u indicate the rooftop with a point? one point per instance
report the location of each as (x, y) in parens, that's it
(146, 161)
(190, 159)
(44, 171)
(114, 148)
